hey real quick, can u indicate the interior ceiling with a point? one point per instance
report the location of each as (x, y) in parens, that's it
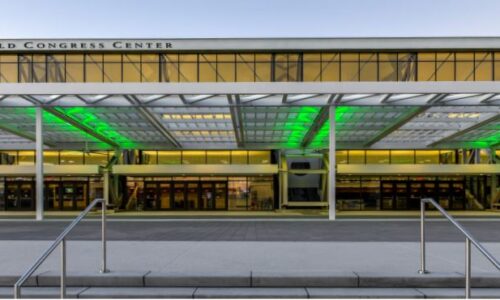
(256, 127)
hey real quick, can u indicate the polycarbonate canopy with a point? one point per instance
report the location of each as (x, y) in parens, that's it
(413, 115)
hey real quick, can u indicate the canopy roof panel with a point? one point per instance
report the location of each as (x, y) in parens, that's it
(291, 115)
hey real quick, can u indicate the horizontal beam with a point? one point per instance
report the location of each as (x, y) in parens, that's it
(210, 88)
(255, 44)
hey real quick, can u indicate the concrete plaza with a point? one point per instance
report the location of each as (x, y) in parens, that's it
(253, 258)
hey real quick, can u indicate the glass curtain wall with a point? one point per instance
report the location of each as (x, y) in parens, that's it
(251, 67)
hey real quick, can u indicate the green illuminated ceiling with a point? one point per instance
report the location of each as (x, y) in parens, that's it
(87, 118)
(277, 127)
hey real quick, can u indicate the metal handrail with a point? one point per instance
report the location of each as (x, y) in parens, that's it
(468, 240)
(61, 240)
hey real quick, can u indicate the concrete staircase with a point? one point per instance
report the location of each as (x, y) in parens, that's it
(256, 284)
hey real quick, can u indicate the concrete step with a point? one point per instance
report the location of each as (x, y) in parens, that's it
(269, 279)
(206, 292)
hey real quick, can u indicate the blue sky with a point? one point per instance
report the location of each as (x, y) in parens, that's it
(256, 18)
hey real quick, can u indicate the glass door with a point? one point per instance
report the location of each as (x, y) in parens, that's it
(80, 195)
(444, 193)
(52, 195)
(19, 195)
(150, 195)
(387, 194)
(68, 191)
(220, 195)
(193, 195)
(415, 195)
(207, 196)
(458, 195)
(164, 195)
(401, 195)
(179, 195)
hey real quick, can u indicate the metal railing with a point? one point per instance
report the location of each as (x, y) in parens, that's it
(61, 240)
(468, 240)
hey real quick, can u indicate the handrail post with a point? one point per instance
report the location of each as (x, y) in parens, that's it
(103, 236)
(422, 237)
(63, 269)
(467, 268)
(17, 291)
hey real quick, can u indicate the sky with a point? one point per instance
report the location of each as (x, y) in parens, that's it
(255, 18)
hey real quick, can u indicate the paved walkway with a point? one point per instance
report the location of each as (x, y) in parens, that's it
(277, 214)
(254, 230)
(213, 257)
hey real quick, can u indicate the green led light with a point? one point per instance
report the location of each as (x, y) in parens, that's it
(321, 138)
(299, 126)
(52, 123)
(87, 118)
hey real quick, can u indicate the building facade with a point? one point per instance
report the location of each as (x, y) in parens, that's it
(250, 124)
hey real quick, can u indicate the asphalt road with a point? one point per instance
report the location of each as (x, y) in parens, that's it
(248, 230)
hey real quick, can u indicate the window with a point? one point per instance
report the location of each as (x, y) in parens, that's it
(188, 68)
(368, 69)
(388, 67)
(402, 157)
(71, 158)
(245, 67)
(207, 68)
(262, 67)
(194, 157)
(74, 68)
(150, 68)
(131, 68)
(26, 157)
(312, 67)
(426, 67)
(93, 68)
(259, 157)
(112, 68)
(8, 157)
(349, 67)
(149, 157)
(55, 68)
(377, 156)
(51, 157)
(465, 67)
(427, 156)
(8, 68)
(218, 157)
(169, 157)
(483, 66)
(330, 67)
(239, 157)
(341, 157)
(445, 66)
(447, 157)
(96, 158)
(356, 156)
(226, 68)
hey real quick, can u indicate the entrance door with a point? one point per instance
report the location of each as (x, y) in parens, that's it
(150, 195)
(53, 195)
(164, 194)
(157, 195)
(179, 195)
(213, 195)
(74, 195)
(19, 195)
(220, 195)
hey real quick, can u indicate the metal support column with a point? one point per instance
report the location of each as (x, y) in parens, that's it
(105, 189)
(39, 163)
(493, 190)
(284, 176)
(332, 169)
